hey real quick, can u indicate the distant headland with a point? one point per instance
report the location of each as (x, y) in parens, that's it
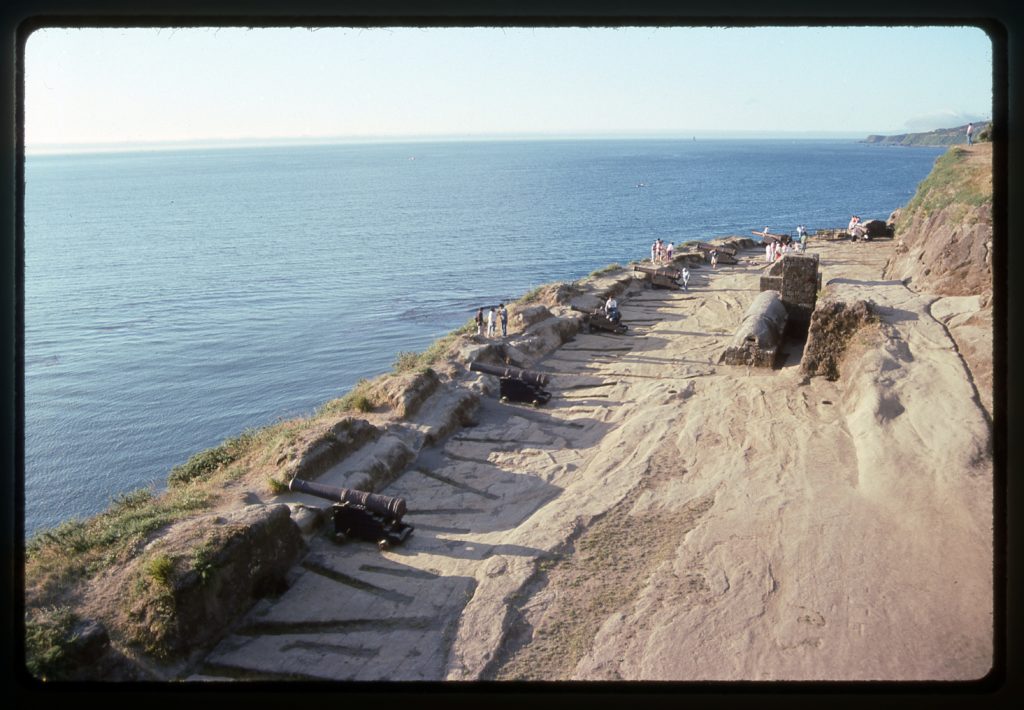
(940, 136)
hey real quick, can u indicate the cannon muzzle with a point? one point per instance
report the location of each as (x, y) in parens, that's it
(387, 506)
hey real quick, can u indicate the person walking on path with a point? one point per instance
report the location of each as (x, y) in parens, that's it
(686, 280)
(714, 258)
(480, 321)
(503, 315)
(490, 322)
(970, 133)
(769, 250)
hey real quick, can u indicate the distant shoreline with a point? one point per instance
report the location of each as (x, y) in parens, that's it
(227, 144)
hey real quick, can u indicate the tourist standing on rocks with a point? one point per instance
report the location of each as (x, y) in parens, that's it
(503, 315)
(668, 252)
(490, 322)
(686, 280)
(970, 133)
(480, 321)
(654, 252)
(714, 258)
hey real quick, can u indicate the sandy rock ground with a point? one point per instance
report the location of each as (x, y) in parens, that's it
(664, 517)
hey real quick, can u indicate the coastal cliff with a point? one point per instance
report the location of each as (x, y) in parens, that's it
(944, 246)
(664, 517)
(940, 136)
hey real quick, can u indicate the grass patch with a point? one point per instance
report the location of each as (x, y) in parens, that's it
(406, 362)
(159, 568)
(48, 638)
(530, 296)
(953, 181)
(604, 270)
(276, 485)
(206, 462)
(58, 559)
(359, 399)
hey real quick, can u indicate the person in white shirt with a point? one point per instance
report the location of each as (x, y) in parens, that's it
(611, 308)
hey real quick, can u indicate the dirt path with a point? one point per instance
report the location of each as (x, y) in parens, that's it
(668, 518)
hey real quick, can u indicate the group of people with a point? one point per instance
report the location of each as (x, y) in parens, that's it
(495, 315)
(661, 251)
(773, 251)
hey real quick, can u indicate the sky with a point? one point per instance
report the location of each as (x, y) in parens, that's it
(107, 86)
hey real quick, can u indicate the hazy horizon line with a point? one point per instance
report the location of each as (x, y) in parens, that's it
(185, 143)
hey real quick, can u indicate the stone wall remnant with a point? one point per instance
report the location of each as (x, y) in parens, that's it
(797, 280)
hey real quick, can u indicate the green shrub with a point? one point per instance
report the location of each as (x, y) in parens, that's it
(605, 270)
(277, 487)
(530, 296)
(406, 361)
(359, 399)
(206, 462)
(160, 568)
(48, 636)
(949, 183)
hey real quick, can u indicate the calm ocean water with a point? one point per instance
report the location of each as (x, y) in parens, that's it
(174, 299)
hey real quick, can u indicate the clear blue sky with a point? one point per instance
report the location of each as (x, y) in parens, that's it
(97, 86)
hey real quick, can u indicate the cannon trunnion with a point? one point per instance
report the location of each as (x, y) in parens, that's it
(361, 515)
(517, 385)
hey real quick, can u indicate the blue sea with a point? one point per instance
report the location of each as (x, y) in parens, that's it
(174, 299)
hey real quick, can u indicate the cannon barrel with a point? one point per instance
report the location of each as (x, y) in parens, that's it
(382, 505)
(658, 271)
(534, 378)
(720, 248)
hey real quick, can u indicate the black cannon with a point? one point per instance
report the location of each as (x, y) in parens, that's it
(362, 515)
(597, 319)
(660, 277)
(517, 385)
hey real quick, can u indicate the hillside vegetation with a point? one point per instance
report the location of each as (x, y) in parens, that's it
(944, 234)
(940, 136)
